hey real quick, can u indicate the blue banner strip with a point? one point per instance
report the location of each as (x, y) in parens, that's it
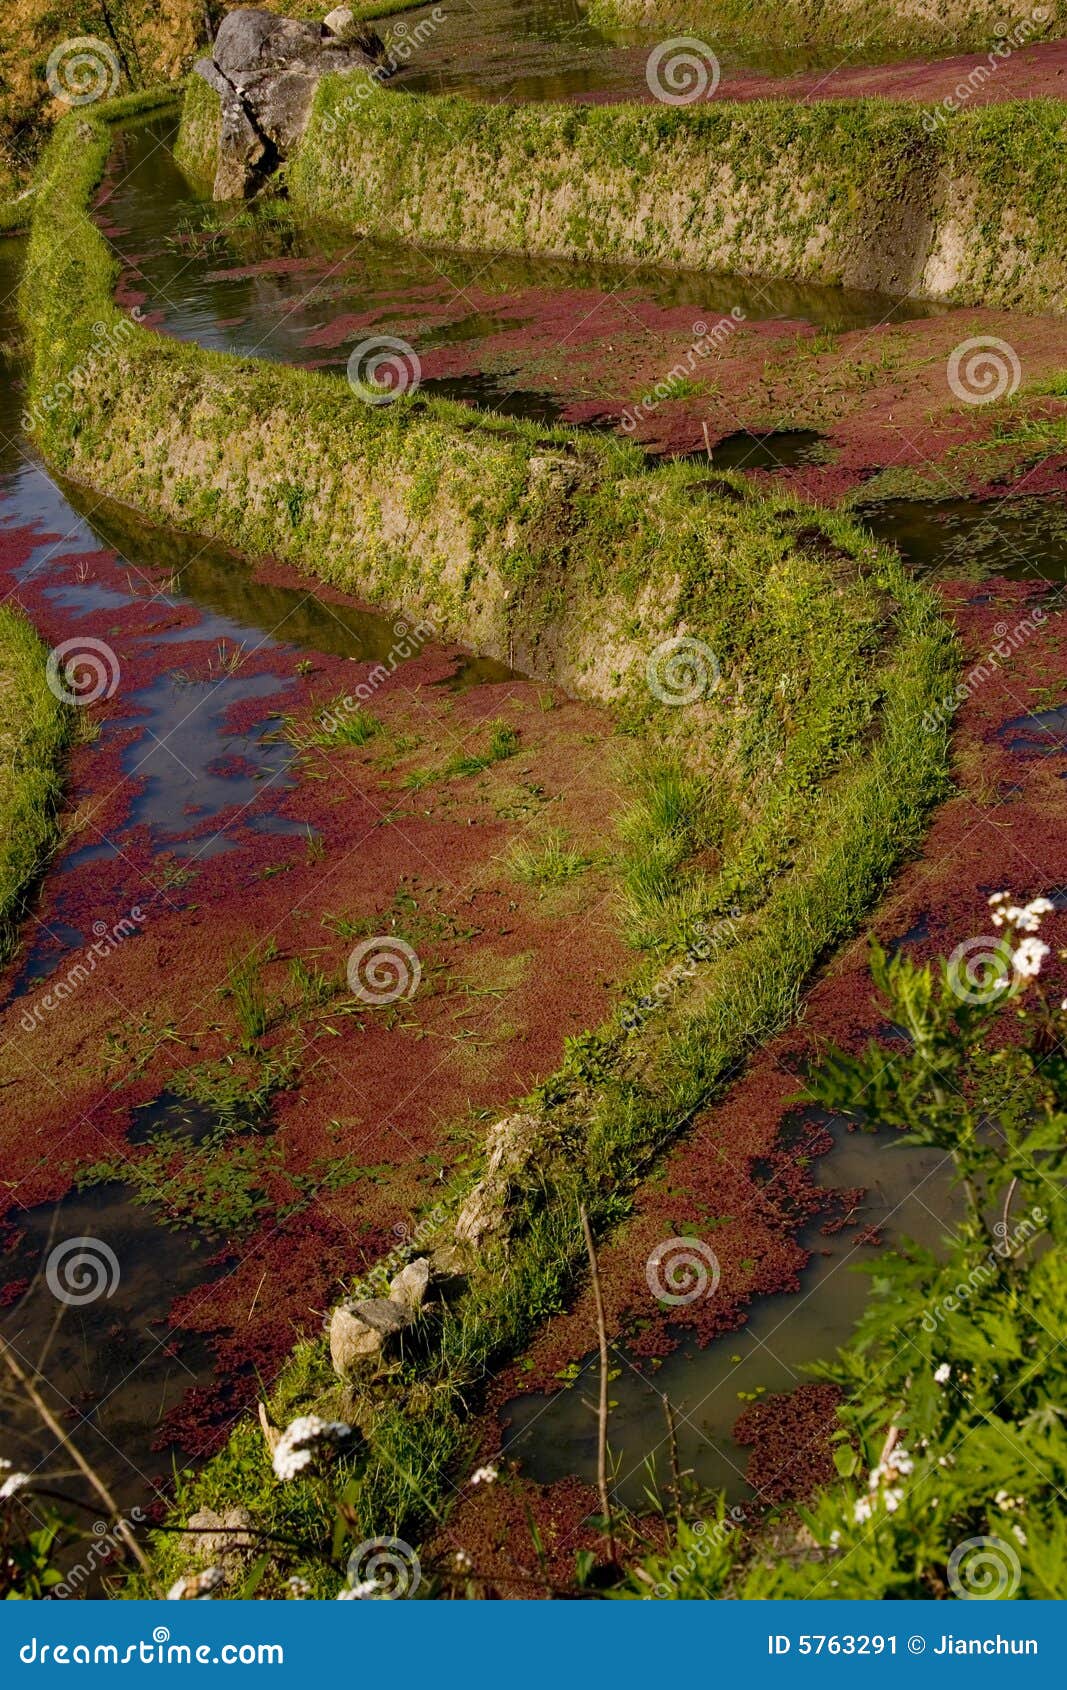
(511, 1645)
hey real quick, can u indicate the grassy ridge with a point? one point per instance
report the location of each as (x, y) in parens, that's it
(866, 193)
(954, 26)
(33, 732)
(812, 773)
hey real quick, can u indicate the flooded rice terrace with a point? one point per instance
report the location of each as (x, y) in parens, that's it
(190, 1069)
(549, 50)
(224, 855)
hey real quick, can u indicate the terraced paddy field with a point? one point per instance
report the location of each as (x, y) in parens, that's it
(503, 672)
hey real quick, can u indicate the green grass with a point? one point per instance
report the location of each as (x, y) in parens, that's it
(548, 863)
(956, 25)
(337, 725)
(244, 985)
(503, 743)
(34, 730)
(673, 815)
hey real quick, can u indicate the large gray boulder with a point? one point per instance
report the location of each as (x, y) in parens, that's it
(265, 70)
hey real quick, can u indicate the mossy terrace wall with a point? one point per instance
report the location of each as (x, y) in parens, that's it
(868, 194)
(34, 727)
(951, 26)
(808, 771)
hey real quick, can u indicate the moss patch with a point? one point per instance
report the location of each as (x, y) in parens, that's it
(33, 732)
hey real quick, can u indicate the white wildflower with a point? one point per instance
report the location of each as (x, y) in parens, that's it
(862, 1510)
(835, 1538)
(302, 1440)
(12, 1484)
(942, 1374)
(463, 1561)
(1027, 917)
(484, 1476)
(1007, 1502)
(999, 898)
(298, 1587)
(1028, 957)
(1019, 1535)
(359, 1592)
(893, 1497)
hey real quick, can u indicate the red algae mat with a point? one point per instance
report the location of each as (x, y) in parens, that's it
(196, 833)
(737, 359)
(1005, 828)
(1034, 71)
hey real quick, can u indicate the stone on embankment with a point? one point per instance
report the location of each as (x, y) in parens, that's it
(367, 1332)
(511, 1144)
(214, 1539)
(411, 1286)
(265, 70)
(340, 20)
